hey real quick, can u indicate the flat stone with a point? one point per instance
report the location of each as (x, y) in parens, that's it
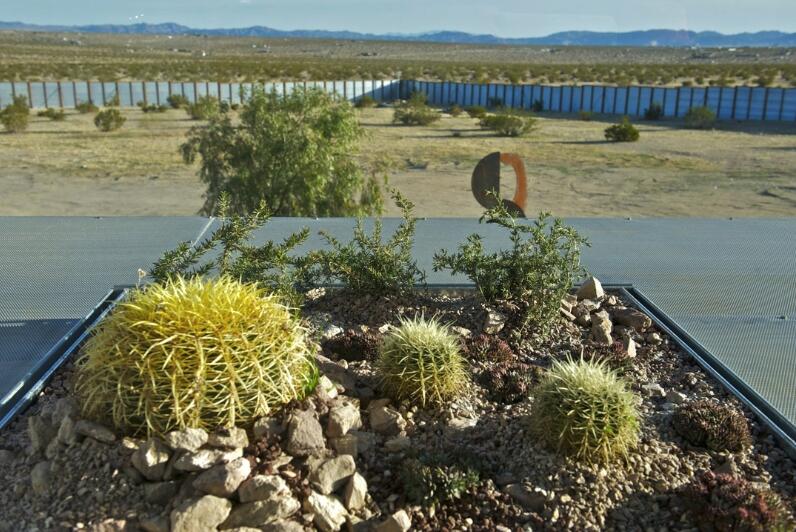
(336, 372)
(398, 444)
(65, 406)
(258, 513)
(631, 317)
(205, 459)
(205, 513)
(526, 497)
(282, 525)
(329, 512)
(355, 493)
(326, 389)
(161, 492)
(151, 458)
(223, 480)
(654, 390)
(155, 523)
(343, 418)
(267, 427)
(41, 477)
(186, 440)
(345, 444)
(67, 433)
(304, 434)
(332, 474)
(228, 438)
(41, 432)
(262, 487)
(386, 421)
(95, 431)
(591, 289)
(397, 522)
(331, 331)
(654, 338)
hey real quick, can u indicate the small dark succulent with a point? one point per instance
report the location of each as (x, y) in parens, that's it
(433, 479)
(489, 349)
(509, 383)
(726, 503)
(711, 425)
(353, 346)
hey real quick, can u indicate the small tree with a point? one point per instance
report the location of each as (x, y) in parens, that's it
(295, 151)
(622, 132)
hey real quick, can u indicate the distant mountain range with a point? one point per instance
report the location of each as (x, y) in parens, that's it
(573, 38)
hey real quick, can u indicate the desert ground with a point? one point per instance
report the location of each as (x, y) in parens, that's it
(739, 169)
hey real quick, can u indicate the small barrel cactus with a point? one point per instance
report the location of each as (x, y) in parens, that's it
(420, 361)
(194, 353)
(584, 410)
(712, 425)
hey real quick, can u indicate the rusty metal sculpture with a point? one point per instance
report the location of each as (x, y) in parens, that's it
(486, 179)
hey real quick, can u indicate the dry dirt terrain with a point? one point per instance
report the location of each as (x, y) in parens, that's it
(70, 168)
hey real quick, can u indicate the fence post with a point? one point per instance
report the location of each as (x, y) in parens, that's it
(44, 91)
(182, 88)
(30, 95)
(104, 97)
(691, 99)
(116, 85)
(582, 93)
(749, 104)
(74, 91)
(781, 104)
(734, 101)
(665, 95)
(13, 91)
(677, 102)
(218, 90)
(721, 98)
(602, 104)
(157, 94)
(60, 96)
(195, 91)
(616, 95)
(627, 99)
(88, 91)
(705, 103)
(130, 90)
(765, 103)
(168, 87)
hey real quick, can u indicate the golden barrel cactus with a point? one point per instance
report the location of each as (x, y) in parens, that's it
(194, 353)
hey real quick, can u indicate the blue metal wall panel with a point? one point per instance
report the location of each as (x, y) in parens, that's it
(610, 100)
(756, 103)
(774, 104)
(713, 99)
(742, 107)
(555, 99)
(789, 105)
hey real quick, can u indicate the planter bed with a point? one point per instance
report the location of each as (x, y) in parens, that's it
(84, 476)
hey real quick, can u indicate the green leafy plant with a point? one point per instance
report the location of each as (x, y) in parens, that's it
(194, 353)
(365, 102)
(178, 101)
(420, 361)
(726, 503)
(85, 108)
(415, 112)
(583, 409)
(712, 425)
(15, 116)
(271, 265)
(53, 114)
(508, 124)
(475, 111)
(367, 264)
(109, 120)
(622, 132)
(296, 151)
(532, 276)
(537, 106)
(434, 479)
(654, 112)
(205, 108)
(700, 118)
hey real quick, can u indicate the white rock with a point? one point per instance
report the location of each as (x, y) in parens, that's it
(654, 390)
(262, 487)
(355, 493)
(397, 444)
(205, 513)
(343, 418)
(494, 322)
(151, 458)
(675, 397)
(629, 346)
(186, 440)
(228, 438)
(266, 427)
(397, 522)
(304, 434)
(222, 480)
(205, 459)
(332, 474)
(258, 513)
(326, 389)
(601, 328)
(331, 331)
(95, 431)
(329, 512)
(591, 289)
(386, 421)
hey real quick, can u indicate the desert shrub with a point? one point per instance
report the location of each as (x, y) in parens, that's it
(420, 362)
(415, 112)
(654, 112)
(509, 382)
(537, 106)
(353, 346)
(367, 265)
(152, 108)
(582, 409)
(495, 103)
(15, 118)
(700, 118)
(533, 275)
(712, 425)
(56, 115)
(586, 116)
(86, 108)
(434, 479)
(178, 101)
(365, 102)
(205, 108)
(115, 102)
(224, 107)
(622, 132)
(109, 120)
(298, 151)
(271, 264)
(194, 353)
(508, 124)
(455, 111)
(726, 503)
(475, 111)
(19, 105)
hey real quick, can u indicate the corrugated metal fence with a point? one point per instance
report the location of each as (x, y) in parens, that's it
(729, 103)
(739, 103)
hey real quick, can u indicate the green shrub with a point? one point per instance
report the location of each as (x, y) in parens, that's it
(582, 409)
(533, 275)
(711, 425)
(19, 105)
(508, 124)
(700, 118)
(205, 108)
(14, 119)
(109, 120)
(415, 112)
(365, 102)
(367, 265)
(194, 353)
(654, 112)
(86, 108)
(476, 111)
(434, 479)
(296, 151)
(622, 132)
(178, 101)
(115, 102)
(586, 116)
(495, 103)
(455, 111)
(420, 362)
(53, 114)
(537, 106)
(725, 503)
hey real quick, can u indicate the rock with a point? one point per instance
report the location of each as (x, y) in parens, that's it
(151, 458)
(95, 431)
(331, 331)
(397, 444)
(205, 459)
(109, 525)
(494, 322)
(385, 420)
(326, 389)
(282, 525)
(155, 523)
(529, 499)
(267, 427)
(262, 487)
(186, 440)
(41, 432)
(567, 314)
(365, 442)
(304, 434)
(355, 493)
(6, 456)
(591, 289)
(462, 331)
(629, 347)
(41, 477)
(205, 513)
(161, 492)
(222, 480)
(329, 512)
(631, 317)
(336, 372)
(397, 522)
(258, 513)
(584, 320)
(64, 406)
(343, 418)
(67, 433)
(53, 449)
(345, 444)
(675, 397)
(654, 390)
(654, 338)
(601, 328)
(228, 438)
(332, 474)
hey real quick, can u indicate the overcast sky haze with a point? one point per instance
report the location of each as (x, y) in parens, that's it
(507, 18)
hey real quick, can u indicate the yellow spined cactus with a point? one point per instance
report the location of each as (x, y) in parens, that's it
(194, 353)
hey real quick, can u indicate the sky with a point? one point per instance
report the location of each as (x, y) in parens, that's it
(506, 18)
